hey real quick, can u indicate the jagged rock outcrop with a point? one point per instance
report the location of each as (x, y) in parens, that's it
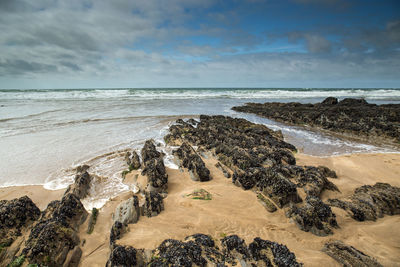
(272, 253)
(193, 162)
(153, 204)
(315, 216)
(14, 215)
(133, 160)
(202, 250)
(81, 185)
(348, 255)
(127, 211)
(371, 202)
(355, 117)
(117, 230)
(54, 237)
(260, 160)
(123, 256)
(154, 168)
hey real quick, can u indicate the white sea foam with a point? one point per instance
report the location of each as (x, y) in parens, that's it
(245, 93)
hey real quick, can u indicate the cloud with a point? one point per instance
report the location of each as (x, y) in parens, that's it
(181, 42)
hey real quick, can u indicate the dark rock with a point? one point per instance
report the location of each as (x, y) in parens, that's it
(192, 161)
(176, 253)
(354, 117)
(272, 254)
(133, 160)
(274, 185)
(330, 101)
(327, 172)
(348, 255)
(82, 168)
(81, 185)
(153, 204)
(235, 248)
(315, 217)
(224, 170)
(351, 102)
(268, 205)
(117, 230)
(73, 257)
(14, 215)
(201, 250)
(371, 202)
(55, 234)
(154, 167)
(123, 256)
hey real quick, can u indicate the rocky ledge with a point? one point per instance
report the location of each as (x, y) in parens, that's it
(370, 202)
(348, 255)
(351, 117)
(262, 161)
(202, 250)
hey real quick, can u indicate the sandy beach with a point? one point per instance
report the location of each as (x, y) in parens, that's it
(235, 211)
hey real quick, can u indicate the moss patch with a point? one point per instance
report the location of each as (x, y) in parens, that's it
(92, 220)
(200, 194)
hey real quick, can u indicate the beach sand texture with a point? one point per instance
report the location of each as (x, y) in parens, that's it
(235, 211)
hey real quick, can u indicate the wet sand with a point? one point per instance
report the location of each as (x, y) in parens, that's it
(235, 211)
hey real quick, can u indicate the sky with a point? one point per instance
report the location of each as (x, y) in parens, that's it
(199, 43)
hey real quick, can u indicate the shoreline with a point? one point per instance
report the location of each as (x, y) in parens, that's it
(235, 211)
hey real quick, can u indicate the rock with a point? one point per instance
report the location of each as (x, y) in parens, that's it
(268, 205)
(235, 249)
(201, 250)
(133, 160)
(154, 168)
(327, 172)
(274, 185)
(349, 117)
(192, 161)
(348, 255)
(371, 202)
(73, 258)
(92, 220)
(15, 215)
(117, 230)
(81, 185)
(55, 234)
(128, 211)
(330, 101)
(153, 204)
(123, 256)
(267, 253)
(82, 168)
(224, 170)
(315, 217)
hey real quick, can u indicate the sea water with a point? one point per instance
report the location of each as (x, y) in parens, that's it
(45, 134)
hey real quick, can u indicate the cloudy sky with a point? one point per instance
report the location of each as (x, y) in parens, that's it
(199, 43)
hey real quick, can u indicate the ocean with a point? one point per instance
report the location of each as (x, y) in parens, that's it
(45, 134)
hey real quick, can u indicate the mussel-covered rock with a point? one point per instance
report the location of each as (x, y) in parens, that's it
(315, 216)
(193, 162)
(123, 256)
(133, 160)
(55, 235)
(117, 230)
(154, 167)
(371, 202)
(348, 255)
(350, 116)
(81, 185)
(271, 254)
(153, 204)
(14, 215)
